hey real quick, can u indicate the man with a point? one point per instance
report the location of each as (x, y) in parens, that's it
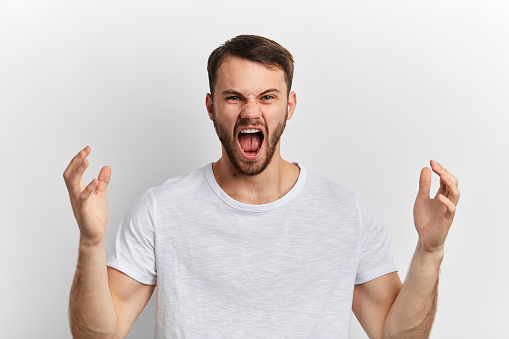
(253, 246)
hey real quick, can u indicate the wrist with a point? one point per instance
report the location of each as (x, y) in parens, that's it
(434, 255)
(87, 243)
(90, 254)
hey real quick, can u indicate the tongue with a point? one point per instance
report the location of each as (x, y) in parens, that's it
(250, 142)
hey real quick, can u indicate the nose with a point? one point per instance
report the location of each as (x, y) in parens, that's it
(251, 110)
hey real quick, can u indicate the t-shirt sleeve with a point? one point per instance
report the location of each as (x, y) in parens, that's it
(375, 255)
(134, 249)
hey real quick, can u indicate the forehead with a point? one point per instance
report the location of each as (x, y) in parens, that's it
(248, 76)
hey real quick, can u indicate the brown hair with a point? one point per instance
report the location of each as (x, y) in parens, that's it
(253, 48)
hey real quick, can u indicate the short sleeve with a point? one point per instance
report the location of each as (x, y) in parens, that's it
(375, 255)
(134, 249)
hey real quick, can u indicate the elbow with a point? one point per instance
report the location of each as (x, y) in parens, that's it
(418, 331)
(79, 330)
(79, 333)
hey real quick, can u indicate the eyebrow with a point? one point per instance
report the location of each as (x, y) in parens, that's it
(233, 92)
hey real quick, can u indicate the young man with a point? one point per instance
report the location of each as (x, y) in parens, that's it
(253, 246)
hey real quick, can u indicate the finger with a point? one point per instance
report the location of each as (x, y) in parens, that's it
(85, 194)
(425, 182)
(448, 182)
(104, 179)
(441, 170)
(75, 162)
(452, 189)
(75, 181)
(449, 205)
(443, 187)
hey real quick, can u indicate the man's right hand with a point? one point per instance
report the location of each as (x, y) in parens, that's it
(89, 203)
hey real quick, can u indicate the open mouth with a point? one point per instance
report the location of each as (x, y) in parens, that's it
(250, 141)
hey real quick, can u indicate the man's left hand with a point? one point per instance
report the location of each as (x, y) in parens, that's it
(433, 217)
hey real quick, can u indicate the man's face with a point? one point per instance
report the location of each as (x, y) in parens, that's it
(249, 111)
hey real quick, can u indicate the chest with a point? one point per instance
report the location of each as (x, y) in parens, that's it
(258, 251)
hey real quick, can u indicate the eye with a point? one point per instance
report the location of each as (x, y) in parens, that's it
(233, 97)
(267, 97)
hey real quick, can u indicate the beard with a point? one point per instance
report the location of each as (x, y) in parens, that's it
(230, 145)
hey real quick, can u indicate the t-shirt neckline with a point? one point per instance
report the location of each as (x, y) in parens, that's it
(254, 208)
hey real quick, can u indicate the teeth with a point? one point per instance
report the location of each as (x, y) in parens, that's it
(252, 130)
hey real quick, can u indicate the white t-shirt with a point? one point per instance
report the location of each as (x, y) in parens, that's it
(225, 269)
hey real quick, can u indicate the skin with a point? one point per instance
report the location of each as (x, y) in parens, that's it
(104, 303)
(251, 105)
(386, 309)
(249, 94)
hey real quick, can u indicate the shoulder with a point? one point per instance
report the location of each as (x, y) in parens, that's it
(320, 192)
(180, 185)
(319, 184)
(335, 195)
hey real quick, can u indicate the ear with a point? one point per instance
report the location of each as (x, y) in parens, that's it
(210, 106)
(292, 102)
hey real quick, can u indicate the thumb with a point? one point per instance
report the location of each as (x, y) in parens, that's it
(424, 183)
(104, 179)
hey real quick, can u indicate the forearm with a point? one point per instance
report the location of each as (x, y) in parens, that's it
(92, 312)
(413, 311)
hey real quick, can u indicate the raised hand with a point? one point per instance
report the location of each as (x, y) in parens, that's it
(89, 203)
(433, 217)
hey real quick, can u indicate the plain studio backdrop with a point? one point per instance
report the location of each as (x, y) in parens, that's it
(382, 88)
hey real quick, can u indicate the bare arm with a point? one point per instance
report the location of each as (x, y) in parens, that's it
(92, 313)
(383, 307)
(103, 302)
(413, 311)
(130, 298)
(373, 300)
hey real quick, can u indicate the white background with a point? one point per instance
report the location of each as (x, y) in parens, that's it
(382, 86)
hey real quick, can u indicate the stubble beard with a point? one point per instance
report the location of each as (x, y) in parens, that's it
(229, 142)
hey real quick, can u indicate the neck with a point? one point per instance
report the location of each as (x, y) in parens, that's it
(270, 185)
